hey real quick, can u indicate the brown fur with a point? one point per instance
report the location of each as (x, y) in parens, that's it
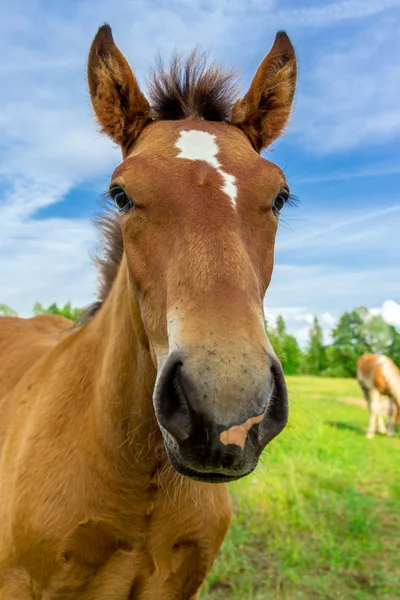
(90, 506)
(120, 106)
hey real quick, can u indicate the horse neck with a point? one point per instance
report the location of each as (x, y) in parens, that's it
(392, 376)
(124, 374)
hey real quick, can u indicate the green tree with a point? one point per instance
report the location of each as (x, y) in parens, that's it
(7, 311)
(334, 367)
(67, 311)
(293, 356)
(349, 342)
(377, 334)
(315, 359)
(286, 347)
(357, 333)
(274, 338)
(394, 348)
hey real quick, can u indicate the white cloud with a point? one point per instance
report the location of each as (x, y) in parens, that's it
(327, 319)
(305, 318)
(48, 261)
(389, 311)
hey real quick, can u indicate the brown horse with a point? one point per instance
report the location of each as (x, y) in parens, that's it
(117, 435)
(378, 376)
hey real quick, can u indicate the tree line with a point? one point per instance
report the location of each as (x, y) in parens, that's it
(357, 332)
(67, 311)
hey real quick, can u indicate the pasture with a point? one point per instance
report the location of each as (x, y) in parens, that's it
(320, 518)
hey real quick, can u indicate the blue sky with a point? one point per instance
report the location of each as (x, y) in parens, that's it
(339, 248)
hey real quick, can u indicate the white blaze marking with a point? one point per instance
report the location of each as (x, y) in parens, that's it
(200, 145)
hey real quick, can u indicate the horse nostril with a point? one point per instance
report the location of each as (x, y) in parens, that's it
(171, 402)
(278, 403)
(179, 395)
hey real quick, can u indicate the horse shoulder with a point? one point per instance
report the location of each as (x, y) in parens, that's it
(366, 366)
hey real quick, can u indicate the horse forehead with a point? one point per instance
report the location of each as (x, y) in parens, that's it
(199, 140)
(219, 145)
(222, 146)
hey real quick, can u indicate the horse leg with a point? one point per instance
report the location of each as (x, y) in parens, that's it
(391, 416)
(374, 407)
(383, 407)
(365, 391)
(367, 395)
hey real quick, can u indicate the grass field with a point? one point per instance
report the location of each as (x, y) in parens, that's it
(320, 518)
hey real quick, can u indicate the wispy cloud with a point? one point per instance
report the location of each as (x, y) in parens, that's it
(364, 173)
(335, 289)
(307, 239)
(48, 260)
(331, 13)
(350, 97)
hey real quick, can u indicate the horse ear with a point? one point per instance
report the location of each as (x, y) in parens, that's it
(120, 107)
(264, 111)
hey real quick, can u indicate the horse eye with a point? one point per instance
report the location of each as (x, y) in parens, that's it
(280, 201)
(122, 201)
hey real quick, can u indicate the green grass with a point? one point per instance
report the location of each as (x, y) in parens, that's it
(320, 518)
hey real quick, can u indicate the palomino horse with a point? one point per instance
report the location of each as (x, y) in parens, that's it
(118, 434)
(378, 375)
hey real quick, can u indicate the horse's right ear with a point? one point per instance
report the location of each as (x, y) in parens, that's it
(121, 109)
(264, 111)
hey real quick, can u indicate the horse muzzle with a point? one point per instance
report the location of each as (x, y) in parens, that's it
(214, 428)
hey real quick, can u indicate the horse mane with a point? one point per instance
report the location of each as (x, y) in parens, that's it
(190, 88)
(187, 88)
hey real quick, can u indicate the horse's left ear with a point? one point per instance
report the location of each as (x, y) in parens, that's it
(120, 107)
(264, 111)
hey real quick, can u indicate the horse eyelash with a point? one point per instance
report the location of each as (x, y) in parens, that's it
(293, 200)
(106, 201)
(105, 196)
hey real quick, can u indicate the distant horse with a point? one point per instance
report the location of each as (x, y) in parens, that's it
(118, 434)
(378, 376)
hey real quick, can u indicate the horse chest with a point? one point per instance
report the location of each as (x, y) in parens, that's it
(162, 550)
